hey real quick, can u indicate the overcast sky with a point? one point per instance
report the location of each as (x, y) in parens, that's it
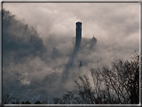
(115, 25)
(105, 20)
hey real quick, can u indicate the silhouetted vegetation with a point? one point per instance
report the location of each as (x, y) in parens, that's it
(26, 102)
(37, 102)
(19, 38)
(118, 85)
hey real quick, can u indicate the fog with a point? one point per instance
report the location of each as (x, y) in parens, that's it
(38, 44)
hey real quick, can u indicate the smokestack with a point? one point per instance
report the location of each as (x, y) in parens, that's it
(74, 53)
(78, 33)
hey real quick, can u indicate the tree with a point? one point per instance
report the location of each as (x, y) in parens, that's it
(121, 81)
(118, 85)
(37, 102)
(26, 102)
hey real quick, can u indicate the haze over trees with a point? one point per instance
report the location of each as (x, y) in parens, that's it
(116, 85)
(107, 85)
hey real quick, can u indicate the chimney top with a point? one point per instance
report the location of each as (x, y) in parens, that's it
(78, 23)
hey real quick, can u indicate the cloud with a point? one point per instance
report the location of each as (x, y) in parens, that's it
(35, 57)
(107, 21)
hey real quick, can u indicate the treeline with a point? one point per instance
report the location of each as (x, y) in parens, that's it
(19, 39)
(116, 85)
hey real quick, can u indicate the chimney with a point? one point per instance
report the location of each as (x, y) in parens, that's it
(78, 33)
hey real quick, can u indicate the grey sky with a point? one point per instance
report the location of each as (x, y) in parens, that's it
(106, 20)
(115, 25)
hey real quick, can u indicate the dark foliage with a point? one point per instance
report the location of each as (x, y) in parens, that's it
(19, 39)
(37, 102)
(118, 85)
(26, 102)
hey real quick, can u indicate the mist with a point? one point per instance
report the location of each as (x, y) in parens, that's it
(38, 49)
